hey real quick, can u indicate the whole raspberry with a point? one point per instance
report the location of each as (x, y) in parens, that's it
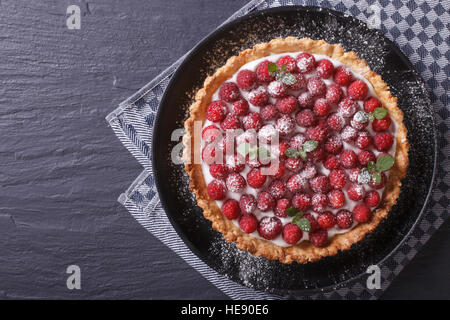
(258, 97)
(289, 62)
(348, 159)
(216, 190)
(344, 219)
(383, 141)
(292, 233)
(230, 209)
(287, 104)
(373, 184)
(361, 213)
(317, 154)
(235, 163)
(312, 221)
(293, 165)
(321, 107)
(364, 157)
(211, 133)
(325, 68)
(270, 227)
(364, 140)
(240, 107)
(331, 162)
(356, 192)
(268, 134)
(318, 132)
(248, 136)
(252, 121)
(285, 125)
(310, 171)
(382, 124)
(349, 134)
(247, 203)
(358, 125)
(262, 73)
(358, 90)
(316, 87)
(235, 182)
(253, 162)
(246, 80)
(336, 122)
(218, 171)
(371, 103)
(318, 238)
(347, 107)
(281, 206)
(255, 179)
(334, 93)
(216, 111)
(342, 76)
(278, 170)
(277, 189)
(297, 141)
(231, 122)
(305, 62)
(334, 145)
(301, 201)
(229, 92)
(337, 178)
(300, 82)
(305, 100)
(265, 201)
(320, 184)
(372, 198)
(282, 147)
(336, 198)
(326, 220)
(210, 156)
(248, 223)
(297, 183)
(305, 118)
(353, 174)
(276, 89)
(269, 112)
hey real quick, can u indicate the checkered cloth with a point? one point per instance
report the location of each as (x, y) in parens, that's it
(419, 28)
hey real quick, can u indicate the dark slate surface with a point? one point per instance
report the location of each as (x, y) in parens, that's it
(62, 168)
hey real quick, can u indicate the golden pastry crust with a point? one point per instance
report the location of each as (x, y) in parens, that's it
(304, 251)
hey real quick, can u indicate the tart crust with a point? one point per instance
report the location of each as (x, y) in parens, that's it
(304, 251)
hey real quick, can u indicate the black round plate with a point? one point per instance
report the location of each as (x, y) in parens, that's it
(172, 182)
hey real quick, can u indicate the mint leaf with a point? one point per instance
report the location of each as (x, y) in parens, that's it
(291, 153)
(283, 68)
(371, 116)
(243, 149)
(385, 163)
(302, 153)
(376, 176)
(272, 68)
(302, 223)
(310, 145)
(379, 113)
(371, 166)
(291, 212)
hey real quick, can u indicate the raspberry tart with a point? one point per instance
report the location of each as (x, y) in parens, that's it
(295, 149)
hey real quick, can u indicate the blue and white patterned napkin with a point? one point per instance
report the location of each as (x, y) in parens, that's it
(419, 28)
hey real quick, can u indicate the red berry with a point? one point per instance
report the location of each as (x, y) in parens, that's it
(297, 183)
(262, 72)
(231, 122)
(278, 170)
(353, 174)
(364, 140)
(372, 198)
(247, 203)
(280, 208)
(216, 190)
(277, 189)
(358, 90)
(338, 178)
(230, 209)
(248, 223)
(336, 198)
(382, 124)
(320, 184)
(292, 233)
(258, 97)
(301, 201)
(316, 86)
(211, 133)
(325, 68)
(331, 163)
(334, 145)
(235, 182)
(300, 84)
(305, 62)
(240, 107)
(373, 184)
(265, 201)
(287, 104)
(342, 76)
(383, 141)
(216, 111)
(321, 107)
(255, 179)
(364, 157)
(318, 238)
(334, 93)
(336, 122)
(317, 133)
(285, 125)
(293, 165)
(317, 154)
(358, 125)
(282, 147)
(348, 159)
(309, 171)
(344, 219)
(305, 118)
(229, 92)
(349, 134)
(312, 221)
(209, 155)
(270, 227)
(276, 89)
(290, 62)
(326, 220)
(356, 192)
(218, 171)
(371, 103)
(269, 112)
(361, 213)
(347, 107)
(252, 121)
(297, 141)
(235, 163)
(305, 100)
(246, 79)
